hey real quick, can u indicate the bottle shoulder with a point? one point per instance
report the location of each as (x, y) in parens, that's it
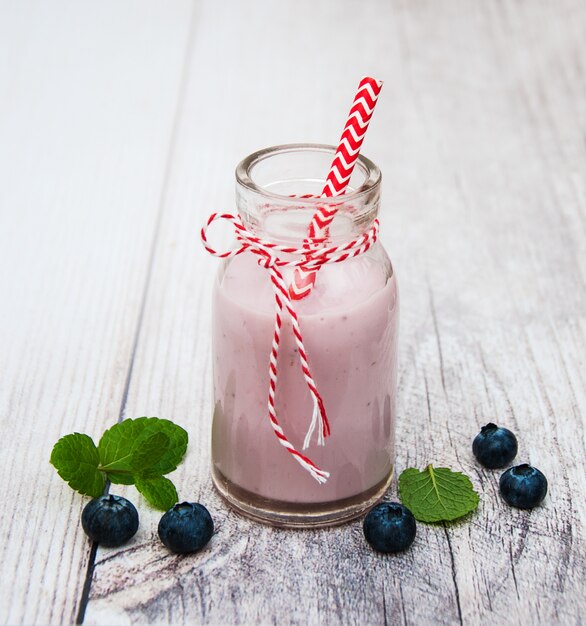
(337, 285)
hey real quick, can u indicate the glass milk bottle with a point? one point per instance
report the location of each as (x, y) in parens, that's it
(349, 323)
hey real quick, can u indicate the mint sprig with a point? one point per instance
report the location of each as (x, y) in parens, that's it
(135, 451)
(437, 494)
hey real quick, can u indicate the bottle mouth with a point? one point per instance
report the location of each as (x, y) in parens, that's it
(260, 173)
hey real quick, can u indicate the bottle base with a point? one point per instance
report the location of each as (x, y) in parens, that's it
(298, 515)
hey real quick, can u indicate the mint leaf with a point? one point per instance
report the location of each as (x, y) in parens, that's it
(437, 494)
(150, 452)
(158, 491)
(121, 478)
(119, 445)
(135, 451)
(76, 459)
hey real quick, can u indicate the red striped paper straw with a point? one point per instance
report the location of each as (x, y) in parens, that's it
(340, 173)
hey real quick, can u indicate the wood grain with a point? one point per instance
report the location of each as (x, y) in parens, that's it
(480, 136)
(464, 359)
(88, 95)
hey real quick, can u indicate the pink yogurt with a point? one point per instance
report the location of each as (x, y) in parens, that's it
(349, 324)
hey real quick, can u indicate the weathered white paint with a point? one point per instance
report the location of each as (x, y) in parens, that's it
(480, 135)
(88, 94)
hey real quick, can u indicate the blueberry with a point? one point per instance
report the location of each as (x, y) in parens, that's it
(110, 520)
(494, 446)
(187, 527)
(389, 527)
(523, 486)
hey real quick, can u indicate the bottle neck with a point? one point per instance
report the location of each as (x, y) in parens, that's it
(279, 191)
(288, 223)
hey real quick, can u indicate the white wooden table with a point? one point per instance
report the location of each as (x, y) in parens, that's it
(120, 125)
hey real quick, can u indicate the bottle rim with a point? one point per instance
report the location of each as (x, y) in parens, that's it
(245, 175)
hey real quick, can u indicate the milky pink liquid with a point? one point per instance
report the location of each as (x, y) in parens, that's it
(349, 325)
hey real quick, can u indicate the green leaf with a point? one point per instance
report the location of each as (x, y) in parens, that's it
(158, 491)
(76, 459)
(119, 446)
(437, 494)
(150, 452)
(121, 478)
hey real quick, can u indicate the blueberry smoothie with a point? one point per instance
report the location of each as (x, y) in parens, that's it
(349, 324)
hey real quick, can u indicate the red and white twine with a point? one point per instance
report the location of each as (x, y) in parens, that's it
(268, 257)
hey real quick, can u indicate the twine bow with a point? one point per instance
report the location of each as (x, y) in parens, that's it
(268, 257)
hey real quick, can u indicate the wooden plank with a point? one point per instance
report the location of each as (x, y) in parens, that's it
(501, 229)
(88, 95)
